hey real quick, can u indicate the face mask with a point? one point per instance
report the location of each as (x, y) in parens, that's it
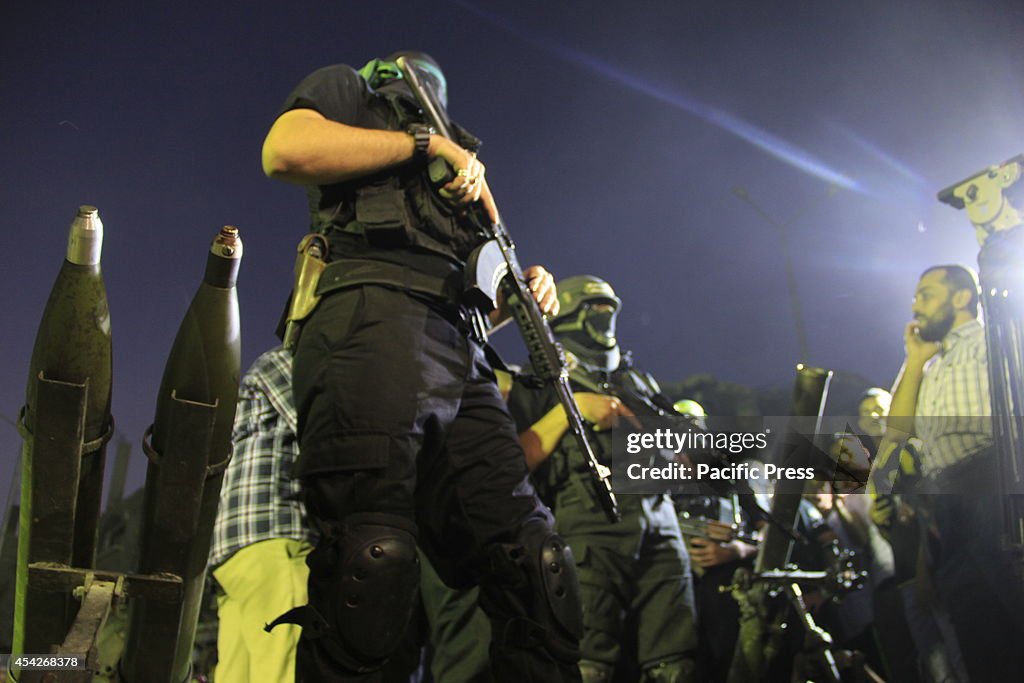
(600, 327)
(589, 353)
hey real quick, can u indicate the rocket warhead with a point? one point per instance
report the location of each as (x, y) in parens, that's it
(225, 259)
(67, 423)
(190, 447)
(227, 243)
(85, 239)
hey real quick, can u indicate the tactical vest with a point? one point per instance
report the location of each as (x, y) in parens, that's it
(638, 391)
(399, 208)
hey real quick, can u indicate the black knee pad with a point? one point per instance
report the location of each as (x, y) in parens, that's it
(365, 586)
(541, 605)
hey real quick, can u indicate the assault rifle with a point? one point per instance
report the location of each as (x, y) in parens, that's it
(546, 354)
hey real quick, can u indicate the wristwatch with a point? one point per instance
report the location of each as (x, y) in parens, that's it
(421, 135)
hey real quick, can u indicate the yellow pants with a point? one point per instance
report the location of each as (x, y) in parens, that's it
(260, 582)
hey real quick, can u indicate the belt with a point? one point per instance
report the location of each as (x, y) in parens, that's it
(969, 475)
(347, 273)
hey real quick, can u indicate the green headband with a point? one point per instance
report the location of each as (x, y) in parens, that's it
(378, 71)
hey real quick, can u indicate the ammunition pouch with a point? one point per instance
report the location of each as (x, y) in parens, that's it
(382, 215)
(406, 210)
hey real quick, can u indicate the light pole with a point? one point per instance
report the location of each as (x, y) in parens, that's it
(781, 229)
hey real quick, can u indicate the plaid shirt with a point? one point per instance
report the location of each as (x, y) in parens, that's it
(259, 500)
(953, 415)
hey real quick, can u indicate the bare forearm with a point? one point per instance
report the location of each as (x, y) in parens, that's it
(304, 147)
(541, 439)
(900, 423)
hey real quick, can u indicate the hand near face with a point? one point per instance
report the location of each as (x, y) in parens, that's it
(918, 350)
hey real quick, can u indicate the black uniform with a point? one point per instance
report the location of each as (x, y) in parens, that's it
(404, 435)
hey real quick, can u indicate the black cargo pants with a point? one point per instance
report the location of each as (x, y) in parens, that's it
(400, 418)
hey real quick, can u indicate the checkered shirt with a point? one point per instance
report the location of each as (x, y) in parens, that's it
(259, 500)
(953, 415)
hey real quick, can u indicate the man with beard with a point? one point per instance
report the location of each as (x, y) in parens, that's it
(942, 396)
(953, 386)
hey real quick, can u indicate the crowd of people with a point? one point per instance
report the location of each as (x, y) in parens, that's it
(401, 506)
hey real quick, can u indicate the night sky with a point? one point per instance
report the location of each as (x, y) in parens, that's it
(618, 139)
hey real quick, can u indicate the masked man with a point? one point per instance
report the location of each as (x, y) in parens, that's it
(403, 433)
(635, 572)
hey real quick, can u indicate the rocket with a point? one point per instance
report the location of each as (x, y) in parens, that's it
(188, 447)
(751, 656)
(810, 392)
(66, 424)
